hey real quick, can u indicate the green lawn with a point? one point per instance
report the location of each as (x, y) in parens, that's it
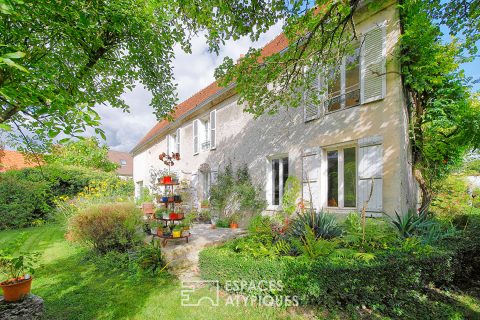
(74, 287)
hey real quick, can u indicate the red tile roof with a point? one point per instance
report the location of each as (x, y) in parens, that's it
(118, 157)
(274, 46)
(14, 160)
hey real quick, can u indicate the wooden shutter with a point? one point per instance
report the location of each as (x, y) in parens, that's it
(168, 144)
(310, 106)
(195, 136)
(370, 168)
(310, 177)
(177, 141)
(213, 131)
(373, 58)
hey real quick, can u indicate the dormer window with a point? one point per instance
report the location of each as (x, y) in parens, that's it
(123, 163)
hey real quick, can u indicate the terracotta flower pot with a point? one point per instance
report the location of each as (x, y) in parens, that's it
(233, 225)
(167, 179)
(16, 291)
(159, 232)
(180, 215)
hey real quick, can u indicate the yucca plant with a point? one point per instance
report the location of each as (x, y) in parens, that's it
(323, 225)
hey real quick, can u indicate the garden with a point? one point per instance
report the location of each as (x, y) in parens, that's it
(88, 256)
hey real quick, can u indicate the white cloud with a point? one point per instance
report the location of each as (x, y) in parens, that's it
(192, 72)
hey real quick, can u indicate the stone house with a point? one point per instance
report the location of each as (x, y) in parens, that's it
(357, 136)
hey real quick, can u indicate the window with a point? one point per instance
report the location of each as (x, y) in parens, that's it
(359, 79)
(279, 177)
(343, 88)
(342, 178)
(204, 132)
(123, 163)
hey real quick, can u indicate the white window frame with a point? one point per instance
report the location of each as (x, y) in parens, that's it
(269, 183)
(213, 129)
(195, 135)
(341, 174)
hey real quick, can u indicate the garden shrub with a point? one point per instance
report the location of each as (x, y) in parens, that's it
(106, 227)
(389, 280)
(31, 194)
(21, 202)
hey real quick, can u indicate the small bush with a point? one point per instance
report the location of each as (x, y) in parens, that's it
(106, 227)
(21, 202)
(323, 224)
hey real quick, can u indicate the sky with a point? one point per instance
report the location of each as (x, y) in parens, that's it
(192, 73)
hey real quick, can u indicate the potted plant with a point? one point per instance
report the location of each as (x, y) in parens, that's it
(204, 204)
(233, 221)
(18, 268)
(180, 215)
(177, 231)
(166, 232)
(160, 212)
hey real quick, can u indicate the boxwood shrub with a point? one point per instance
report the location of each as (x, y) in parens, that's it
(389, 280)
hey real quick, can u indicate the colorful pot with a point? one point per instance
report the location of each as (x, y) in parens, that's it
(16, 291)
(159, 232)
(164, 199)
(173, 216)
(233, 225)
(177, 198)
(171, 199)
(167, 179)
(180, 215)
(177, 234)
(160, 180)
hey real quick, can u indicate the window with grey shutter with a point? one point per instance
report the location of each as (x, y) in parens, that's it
(311, 103)
(213, 131)
(195, 136)
(370, 170)
(177, 140)
(373, 78)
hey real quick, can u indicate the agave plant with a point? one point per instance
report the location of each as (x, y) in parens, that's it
(410, 223)
(323, 225)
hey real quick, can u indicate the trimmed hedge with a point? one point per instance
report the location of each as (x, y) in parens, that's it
(388, 280)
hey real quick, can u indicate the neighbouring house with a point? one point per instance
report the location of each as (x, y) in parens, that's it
(357, 136)
(125, 162)
(14, 160)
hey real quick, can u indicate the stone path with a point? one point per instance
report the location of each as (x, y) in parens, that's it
(183, 256)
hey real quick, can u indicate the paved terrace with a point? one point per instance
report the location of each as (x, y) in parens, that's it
(183, 256)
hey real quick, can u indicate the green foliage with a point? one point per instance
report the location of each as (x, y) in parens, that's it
(290, 195)
(150, 257)
(15, 263)
(410, 223)
(33, 194)
(323, 224)
(452, 198)
(86, 153)
(22, 201)
(234, 193)
(261, 225)
(378, 234)
(222, 223)
(107, 227)
(384, 282)
(313, 246)
(86, 54)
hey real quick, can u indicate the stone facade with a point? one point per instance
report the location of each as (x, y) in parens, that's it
(375, 128)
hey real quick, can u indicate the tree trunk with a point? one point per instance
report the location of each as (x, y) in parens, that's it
(426, 192)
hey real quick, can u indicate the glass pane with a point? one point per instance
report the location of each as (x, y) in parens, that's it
(332, 178)
(276, 182)
(352, 79)
(349, 177)
(285, 171)
(334, 88)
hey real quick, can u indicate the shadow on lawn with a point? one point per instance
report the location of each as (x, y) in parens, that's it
(75, 288)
